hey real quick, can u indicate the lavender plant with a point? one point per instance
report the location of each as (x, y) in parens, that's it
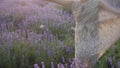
(32, 32)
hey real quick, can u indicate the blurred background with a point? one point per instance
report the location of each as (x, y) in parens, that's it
(38, 33)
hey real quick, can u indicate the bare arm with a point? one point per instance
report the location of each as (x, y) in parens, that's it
(66, 3)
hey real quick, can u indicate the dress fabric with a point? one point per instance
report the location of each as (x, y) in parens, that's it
(88, 17)
(86, 38)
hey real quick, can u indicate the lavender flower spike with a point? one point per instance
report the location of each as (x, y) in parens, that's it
(43, 65)
(60, 65)
(36, 66)
(118, 64)
(52, 65)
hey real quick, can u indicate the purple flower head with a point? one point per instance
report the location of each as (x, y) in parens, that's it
(52, 65)
(36, 66)
(60, 65)
(110, 62)
(118, 64)
(43, 65)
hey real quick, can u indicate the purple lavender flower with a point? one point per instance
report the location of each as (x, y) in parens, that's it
(60, 65)
(118, 64)
(52, 65)
(66, 65)
(36, 66)
(43, 65)
(110, 62)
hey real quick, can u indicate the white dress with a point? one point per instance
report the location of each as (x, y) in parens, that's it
(88, 17)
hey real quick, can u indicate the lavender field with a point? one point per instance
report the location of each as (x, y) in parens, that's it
(36, 33)
(33, 32)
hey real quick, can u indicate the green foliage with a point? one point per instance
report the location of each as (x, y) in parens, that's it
(25, 55)
(113, 52)
(19, 55)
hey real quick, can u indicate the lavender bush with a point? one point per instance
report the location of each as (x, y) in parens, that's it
(32, 32)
